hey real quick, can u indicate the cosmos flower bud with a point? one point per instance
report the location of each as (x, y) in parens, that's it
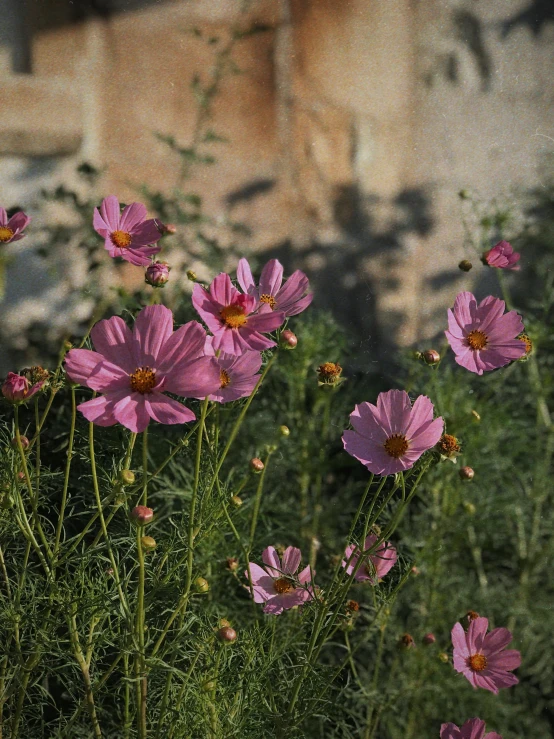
(191, 275)
(284, 430)
(126, 477)
(157, 274)
(17, 388)
(232, 564)
(170, 229)
(444, 657)
(20, 477)
(288, 340)
(406, 641)
(469, 508)
(236, 501)
(466, 474)
(142, 515)
(227, 635)
(415, 571)
(465, 265)
(201, 585)
(429, 639)
(431, 357)
(24, 442)
(256, 465)
(148, 543)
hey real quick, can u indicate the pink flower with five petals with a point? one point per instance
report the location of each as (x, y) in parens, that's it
(134, 370)
(502, 256)
(277, 584)
(129, 235)
(393, 435)
(481, 335)
(229, 316)
(483, 658)
(238, 375)
(11, 229)
(474, 728)
(292, 298)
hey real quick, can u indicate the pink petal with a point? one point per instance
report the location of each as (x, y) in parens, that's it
(509, 659)
(366, 420)
(184, 345)
(107, 377)
(245, 278)
(495, 641)
(265, 322)
(222, 290)
(305, 575)
(19, 221)
(139, 256)
(132, 215)
(507, 326)
(109, 210)
(99, 225)
(260, 578)
(98, 411)
(153, 327)
(3, 217)
(476, 634)
(372, 455)
(291, 560)
(195, 379)
(80, 363)
(230, 341)
(166, 410)
(421, 415)
(254, 341)
(450, 731)
(209, 310)
(114, 340)
(427, 437)
(459, 641)
(131, 412)
(298, 306)
(271, 559)
(146, 233)
(474, 728)
(394, 409)
(245, 365)
(235, 390)
(464, 309)
(271, 277)
(490, 309)
(294, 289)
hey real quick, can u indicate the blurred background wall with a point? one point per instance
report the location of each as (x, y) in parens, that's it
(351, 126)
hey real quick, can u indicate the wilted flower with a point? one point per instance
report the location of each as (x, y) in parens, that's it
(17, 389)
(393, 435)
(527, 343)
(482, 337)
(11, 229)
(483, 658)
(329, 373)
(36, 374)
(448, 447)
(238, 375)
(376, 565)
(129, 235)
(277, 585)
(230, 317)
(407, 641)
(292, 298)
(157, 274)
(474, 728)
(135, 369)
(502, 256)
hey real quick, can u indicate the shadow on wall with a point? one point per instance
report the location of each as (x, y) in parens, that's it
(534, 17)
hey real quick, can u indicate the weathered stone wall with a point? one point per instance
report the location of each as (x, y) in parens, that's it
(352, 127)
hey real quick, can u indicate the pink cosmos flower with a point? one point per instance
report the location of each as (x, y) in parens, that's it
(474, 728)
(238, 375)
(292, 298)
(129, 235)
(134, 370)
(377, 564)
(482, 336)
(502, 256)
(483, 658)
(277, 585)
(11, 229)
(18, 389)
(228, 315)
(393, 435)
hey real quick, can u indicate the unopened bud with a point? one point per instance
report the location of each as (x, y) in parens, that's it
(6, 501)
(20, 477)
(24, 442)
(170, 229)
(148, 543)
(209, 686)
(284, 430)
(465, 265)
(126, 477)
(142, 515)
(232, 564)
(415, 571)
(201, 585)
(191, 275)
(67, 345)
(227, 635)
(429, 639)
(469, 508)
(466, 473)
(431, 357)
(288, 340)
(236, 501)
(223, 622)
(157, 274)
(407, 641)
(256, 465)
(443, 657)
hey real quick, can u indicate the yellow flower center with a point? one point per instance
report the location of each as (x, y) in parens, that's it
(143, 380)
(233, 316)
(121, 239)
(396, 445)
(283, 585)
(224, 378)
(477, 340)
(528, 343)
(5, 234)
(269, 299)
(477, 662)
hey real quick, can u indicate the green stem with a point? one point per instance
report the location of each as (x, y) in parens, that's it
(79, 656)
(67, 470)
(142, 685)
